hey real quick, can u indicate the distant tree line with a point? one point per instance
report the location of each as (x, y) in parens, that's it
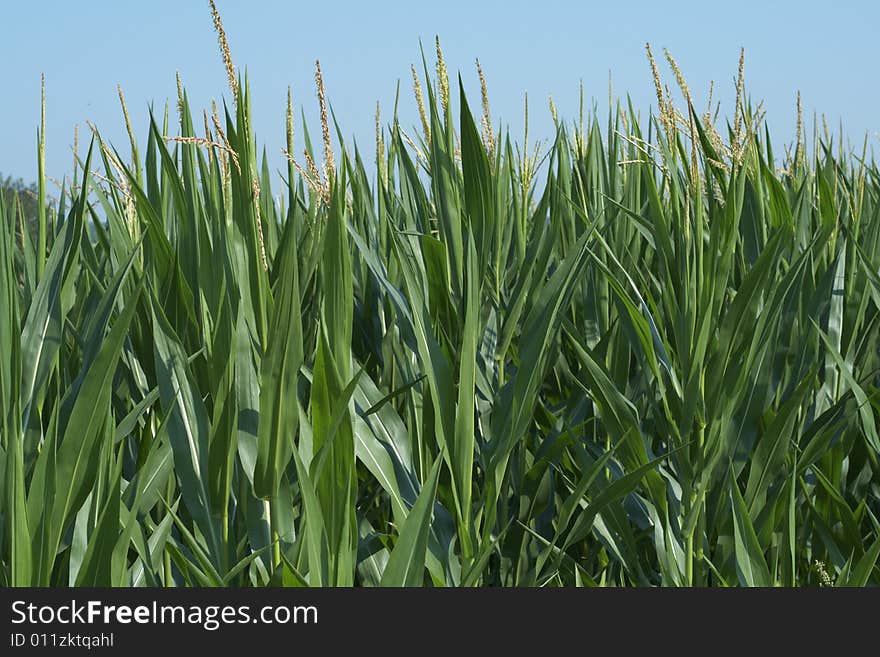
(27, 196)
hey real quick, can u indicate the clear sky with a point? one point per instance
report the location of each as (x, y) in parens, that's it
(827, 51)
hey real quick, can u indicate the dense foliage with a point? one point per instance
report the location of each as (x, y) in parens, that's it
(649, 358)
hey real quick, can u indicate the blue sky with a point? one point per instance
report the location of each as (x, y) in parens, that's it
(828, 52)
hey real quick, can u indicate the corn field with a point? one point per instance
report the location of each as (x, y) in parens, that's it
(644, 354)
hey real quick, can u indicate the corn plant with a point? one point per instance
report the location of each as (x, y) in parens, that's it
(643, 354)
